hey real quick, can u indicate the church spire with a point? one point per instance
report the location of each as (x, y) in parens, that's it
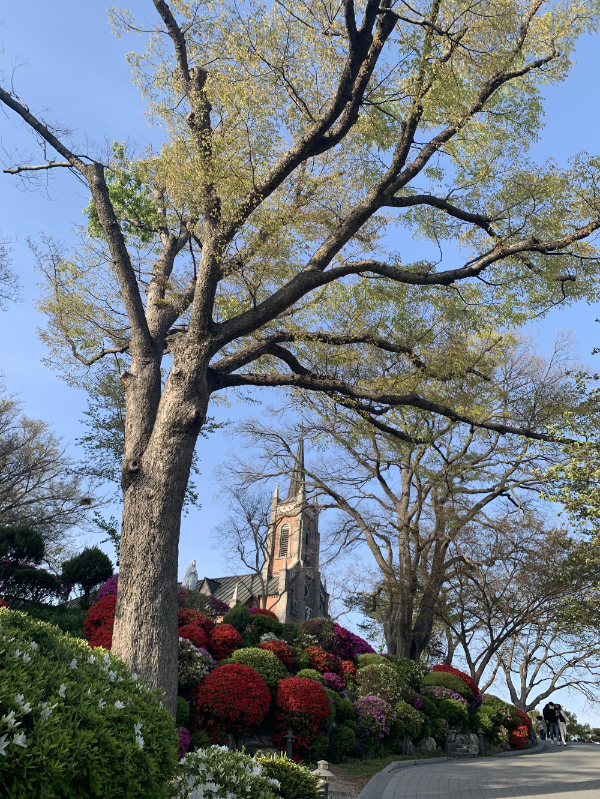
(297, 483)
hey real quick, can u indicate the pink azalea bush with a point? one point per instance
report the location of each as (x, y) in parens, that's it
(439, 693)
(333, 681)
(375, 718)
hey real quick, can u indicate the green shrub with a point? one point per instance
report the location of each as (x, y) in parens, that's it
(312, 674)
(317, 632)
(295, 780)
(334, 702)
(319, 748)
(289, 633)
(408, 670)
(69, 620)
(345, 711)
(341, 743)
(238, 617)
(258, 626)
(429, 708)
(22, 545)
(450, 681)
(409, 721)
(370, 659)
(455, 713)
(30, 584)
(268, 665)
(89, 569)
(183, 712)
(232, 774)
(301, 659)
(352, 724)
(382, 680)
(86, 728)
(494, 713)
(199, 739)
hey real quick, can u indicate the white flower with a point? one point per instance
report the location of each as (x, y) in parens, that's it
(91, 659)
(20, 739)
(139, 741)
(19, 699)
(61, 691)
(119, 705)
(26, 657)
(73, 663)
(134, 675)
(10, 720)
(4, 742)
(33, 645)
(26, 708)
(17, 654)
(89, 691)
(45, 714)
(137, 728)
(112, 675)
(101, 703)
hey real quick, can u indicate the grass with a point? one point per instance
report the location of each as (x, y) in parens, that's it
(69, 620)
(370, 766)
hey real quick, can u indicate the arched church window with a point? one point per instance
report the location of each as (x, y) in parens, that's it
(306, 592)
(284, 540)
(307, 543)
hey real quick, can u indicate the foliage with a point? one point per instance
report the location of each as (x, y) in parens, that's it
(74, 723)
(347, 645)
(22, 545)
(408, 670)
(259, 625)
(409, 721)
(262, 612)
(193, 663)
(375, 718)
(69, 620)
(519, 737)
(437, 693)
(449, 681)
(218, 773)
(209, 606)
(341, 743)
(344, 710)
(237, 617)
(284, 652)
(223, 640)
(295, 780)
(182, 715)
(311, 674)
(302, 705)
(319, 748)
(370, 659)
(268, 665)
(467, 679)
(88, 569)
(382, 680)
(454, 712)
(99, 622)
(230, 697)
(319, 659)
(31, 583)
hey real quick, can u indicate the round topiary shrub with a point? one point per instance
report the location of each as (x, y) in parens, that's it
(216, 772)
(295, 781)
(407, 670)
(311, 674)
(262, 612)
(470, 682)
(302, 705)
(283, 651)
(319, 659)
(195, 634)
(449, 681)
(230, 697)
(370, 659)
(196, 618)
(383, 681)
(99, 622)
(341, 743)
(333, 681)
(455, 713)
(238, 617)
(268, 665)
(260, 626)
(75, 724)
(347, 671)
(193, 663)
(409, 721)
(375, 719)
(319, 748)
(223, 640)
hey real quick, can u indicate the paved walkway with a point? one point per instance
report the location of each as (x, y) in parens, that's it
(571, 772)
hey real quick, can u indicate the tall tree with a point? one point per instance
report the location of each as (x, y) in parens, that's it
(249, 251)
(414, 502)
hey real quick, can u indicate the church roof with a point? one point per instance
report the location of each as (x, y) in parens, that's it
(248, 586)
(297, 481)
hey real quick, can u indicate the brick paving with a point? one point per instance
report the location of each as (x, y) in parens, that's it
(571, 772)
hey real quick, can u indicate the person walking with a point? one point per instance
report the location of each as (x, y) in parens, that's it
(540, 726)
(563, 721)
(551, 720)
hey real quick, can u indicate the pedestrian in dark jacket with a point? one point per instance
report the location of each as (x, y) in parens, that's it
(540, 725)
(551, 719)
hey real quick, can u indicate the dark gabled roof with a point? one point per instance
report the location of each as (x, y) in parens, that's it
(248, 586)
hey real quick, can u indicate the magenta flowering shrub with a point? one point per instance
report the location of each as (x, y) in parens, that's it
(333, 681)
(375, 718)
(109, 587)
(417, 704)
(217, 607)
(184, 740)
(347, 645)
(439, 693)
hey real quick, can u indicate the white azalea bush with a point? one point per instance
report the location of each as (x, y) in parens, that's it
(74, 723)
(218, 773)
(193, 663)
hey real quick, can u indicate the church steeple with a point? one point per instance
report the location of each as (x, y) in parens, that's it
(298, 480)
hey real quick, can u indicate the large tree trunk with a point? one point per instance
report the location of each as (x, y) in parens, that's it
(397, 626)
(145, 631)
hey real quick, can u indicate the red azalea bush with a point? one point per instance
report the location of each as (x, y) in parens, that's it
(230, 697)
(302, 705)
(262, 612)
(3, 603)
(519, 737)
(99, 622)
(194, 634)
(223, 640)
(525, 720)
(471, 684)
(347, 670)
(189, 616)
(319, 659)
(284, 652)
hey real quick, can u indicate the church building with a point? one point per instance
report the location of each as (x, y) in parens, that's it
(291, 571)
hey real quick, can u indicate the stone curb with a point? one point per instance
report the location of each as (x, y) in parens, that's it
(385, 775)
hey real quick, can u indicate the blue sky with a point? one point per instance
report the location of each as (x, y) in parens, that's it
(71, 65)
